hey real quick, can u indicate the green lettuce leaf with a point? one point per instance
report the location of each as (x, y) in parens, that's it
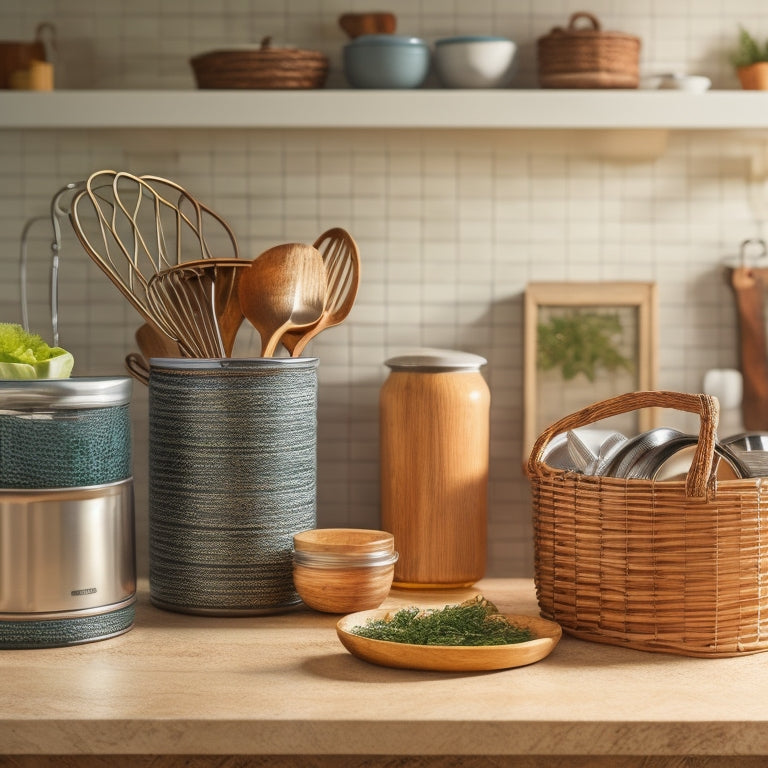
(25, 355)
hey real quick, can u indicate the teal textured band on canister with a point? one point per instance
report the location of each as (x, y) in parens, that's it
(65, 433)
(232, 477)
(72, 630)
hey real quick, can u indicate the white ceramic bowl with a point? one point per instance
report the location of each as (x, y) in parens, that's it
(694, 83)
(676, 82)
(476, 61)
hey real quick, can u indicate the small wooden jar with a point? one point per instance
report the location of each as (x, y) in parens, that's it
(343, 570)
(435, 435)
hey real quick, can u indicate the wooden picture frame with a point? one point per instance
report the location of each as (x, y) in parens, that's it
(617, 320)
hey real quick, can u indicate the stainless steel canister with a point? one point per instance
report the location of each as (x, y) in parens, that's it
(66, 551)
(67, 542)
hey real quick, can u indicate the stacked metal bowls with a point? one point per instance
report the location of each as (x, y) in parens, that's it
(658, 454)
(666, 454)
(752, 449)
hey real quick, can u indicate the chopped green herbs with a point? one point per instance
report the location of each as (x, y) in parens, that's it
(471, 623)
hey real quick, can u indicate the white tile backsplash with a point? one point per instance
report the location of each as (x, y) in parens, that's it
(451, 224)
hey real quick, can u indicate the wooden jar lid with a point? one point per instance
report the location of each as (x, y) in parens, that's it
(344, 542)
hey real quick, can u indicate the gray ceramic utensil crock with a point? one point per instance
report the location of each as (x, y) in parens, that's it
(232, 477)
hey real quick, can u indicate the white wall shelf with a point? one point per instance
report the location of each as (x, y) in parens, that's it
(445, 109)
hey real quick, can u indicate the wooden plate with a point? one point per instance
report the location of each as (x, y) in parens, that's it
(449, 658)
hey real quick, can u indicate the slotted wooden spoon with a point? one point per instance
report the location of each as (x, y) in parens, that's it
(283, 290)
(342, 264)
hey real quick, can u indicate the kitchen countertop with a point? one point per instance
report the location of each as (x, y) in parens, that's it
(284, 685)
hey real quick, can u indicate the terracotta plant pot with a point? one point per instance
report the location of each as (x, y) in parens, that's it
(754, 77)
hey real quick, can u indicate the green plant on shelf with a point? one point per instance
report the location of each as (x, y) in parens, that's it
(581, 342)
(749, 50)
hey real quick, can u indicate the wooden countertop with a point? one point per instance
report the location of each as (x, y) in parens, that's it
(284, 685)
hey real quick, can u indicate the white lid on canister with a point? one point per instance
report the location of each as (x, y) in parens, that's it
(429, 359)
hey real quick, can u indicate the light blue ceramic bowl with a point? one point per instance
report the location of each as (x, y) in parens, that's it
(386, 61)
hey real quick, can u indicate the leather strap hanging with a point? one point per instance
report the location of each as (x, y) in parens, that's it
(748, 285)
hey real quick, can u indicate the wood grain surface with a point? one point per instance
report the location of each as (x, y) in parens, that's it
(376, 761)
(434, 475)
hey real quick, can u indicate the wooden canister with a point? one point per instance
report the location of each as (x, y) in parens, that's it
(434, 433)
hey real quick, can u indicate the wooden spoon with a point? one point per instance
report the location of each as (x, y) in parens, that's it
(342, 264)
(153, 342)
(284, 289)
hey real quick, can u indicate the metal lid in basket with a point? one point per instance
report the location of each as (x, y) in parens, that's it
(65, 394)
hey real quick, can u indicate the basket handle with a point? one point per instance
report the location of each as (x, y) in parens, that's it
(45, 33)
(583, 15)
(706, 406)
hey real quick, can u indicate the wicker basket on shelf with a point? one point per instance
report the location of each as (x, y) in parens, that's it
(671, 566)
(264, 67)
(588, 57)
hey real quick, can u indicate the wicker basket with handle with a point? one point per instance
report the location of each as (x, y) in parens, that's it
(588, 57)
(674, 566)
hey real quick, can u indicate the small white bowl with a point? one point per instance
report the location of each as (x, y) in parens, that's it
(676, 82)
(476, 61)
(693, 83)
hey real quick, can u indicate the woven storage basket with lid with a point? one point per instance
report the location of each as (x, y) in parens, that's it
(588, 57)
(674, 566)
(264, 67)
